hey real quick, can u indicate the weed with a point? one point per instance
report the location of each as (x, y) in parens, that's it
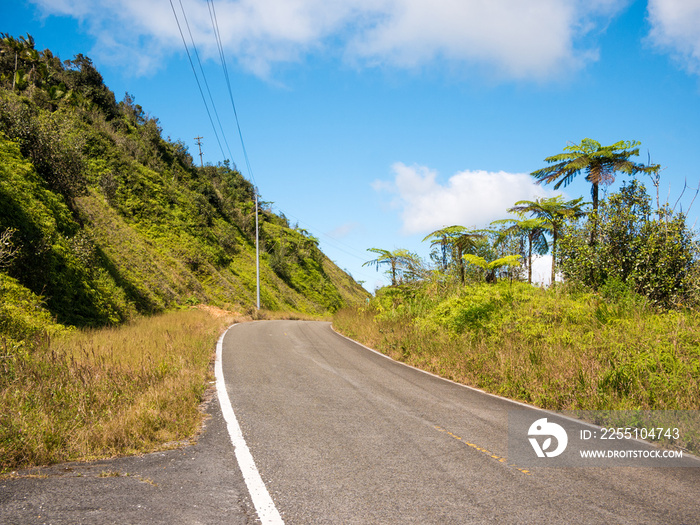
(110, 474)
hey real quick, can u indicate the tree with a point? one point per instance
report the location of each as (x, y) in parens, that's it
(492, 266)
(657, 258)
(83, 78)
(466, 242)
(441, 238)
(533, 230)
(554, 211)
(55, 94)
(459, 240)
(403, 265)
(22, 52)
(600, 163)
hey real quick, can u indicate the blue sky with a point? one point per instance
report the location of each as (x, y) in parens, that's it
(372, 123)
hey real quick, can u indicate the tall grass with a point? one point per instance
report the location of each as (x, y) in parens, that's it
(555, 349)
(107, 392)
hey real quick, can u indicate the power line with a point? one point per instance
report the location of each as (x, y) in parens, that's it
(199, 85)
(327, 236)
(335, 244)
(217, 34)
(206, 84)
(215, 25)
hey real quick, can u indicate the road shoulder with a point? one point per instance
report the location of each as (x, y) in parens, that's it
(197, 483)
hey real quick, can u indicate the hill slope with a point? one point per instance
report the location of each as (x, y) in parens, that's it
(104, 218)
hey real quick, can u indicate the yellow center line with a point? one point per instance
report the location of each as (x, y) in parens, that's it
(498, 458)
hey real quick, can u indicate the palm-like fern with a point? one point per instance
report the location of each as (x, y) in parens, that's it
(599, 163)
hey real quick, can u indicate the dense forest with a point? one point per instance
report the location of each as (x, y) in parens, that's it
(102, 218)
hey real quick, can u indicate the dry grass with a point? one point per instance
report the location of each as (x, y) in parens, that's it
(271, 315)
(101, 393)
(548, 349)
(632, 365)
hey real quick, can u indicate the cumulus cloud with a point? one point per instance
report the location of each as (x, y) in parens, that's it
(532, 39)
(675, 27)
(469, 198)
(518, 39)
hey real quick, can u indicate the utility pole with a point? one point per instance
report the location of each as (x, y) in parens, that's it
(257, 251)
(199, 143)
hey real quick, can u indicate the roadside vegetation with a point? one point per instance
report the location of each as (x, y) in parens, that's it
(557, 348)
(84, 394)
(109, 234)
(622, 332)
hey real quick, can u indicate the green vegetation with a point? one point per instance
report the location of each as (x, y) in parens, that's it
(553, 214)
(656, 257)
(555, 348)
(599, 163)
(104, 221)
(453, 243)
(621, 243)
(621, 333)
(403, 265)
(107, 219)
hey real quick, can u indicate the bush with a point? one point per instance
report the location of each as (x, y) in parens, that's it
(49, 142)
(654, 257)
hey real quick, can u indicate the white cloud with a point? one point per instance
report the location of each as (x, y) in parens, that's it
(675, 27)
(519, 39)
(532, 39)
(135, 34)
(469, 198)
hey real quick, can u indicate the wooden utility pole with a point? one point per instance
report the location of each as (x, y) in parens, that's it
(199, 143)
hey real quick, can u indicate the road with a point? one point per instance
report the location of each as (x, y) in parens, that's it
(341, 434)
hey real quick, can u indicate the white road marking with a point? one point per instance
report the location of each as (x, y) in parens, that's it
(265, 507)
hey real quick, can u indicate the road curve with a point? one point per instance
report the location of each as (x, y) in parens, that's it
(341, 434)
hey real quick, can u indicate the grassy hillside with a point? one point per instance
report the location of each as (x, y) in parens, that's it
(104, 226)
(104, 219)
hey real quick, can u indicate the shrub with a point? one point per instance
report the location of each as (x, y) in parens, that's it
(654, 257)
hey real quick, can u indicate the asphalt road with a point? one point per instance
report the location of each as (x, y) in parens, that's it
(343, 435)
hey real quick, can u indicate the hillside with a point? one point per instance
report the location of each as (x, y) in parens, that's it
(103, 218)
